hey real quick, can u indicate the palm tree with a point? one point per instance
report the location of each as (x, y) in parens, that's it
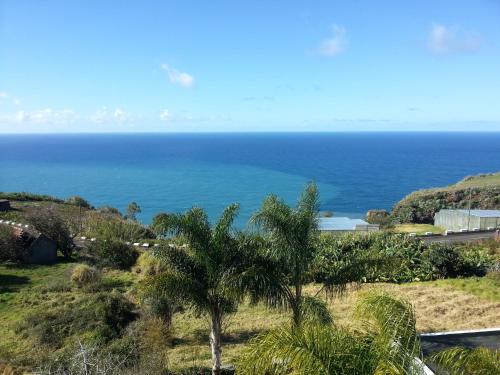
(383, 342)
(205, 274)
(288, 263)
(464, 361)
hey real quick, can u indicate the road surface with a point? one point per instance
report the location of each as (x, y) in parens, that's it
(459, 237)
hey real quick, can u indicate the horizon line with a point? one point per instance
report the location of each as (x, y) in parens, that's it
(248, 132)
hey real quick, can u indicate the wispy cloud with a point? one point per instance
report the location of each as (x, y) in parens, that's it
(186, 117)
(165, 115)
(105, 115)
(177, 77)
(452, 39)
(335, 44)
(42, 116)
(6, 96)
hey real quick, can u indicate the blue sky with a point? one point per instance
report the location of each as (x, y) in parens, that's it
(188, 66)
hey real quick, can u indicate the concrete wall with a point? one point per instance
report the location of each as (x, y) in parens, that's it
(367, 228)
(456, 220)
(490, 222)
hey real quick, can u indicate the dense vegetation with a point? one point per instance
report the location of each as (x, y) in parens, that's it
(481, 192)
(117, 305)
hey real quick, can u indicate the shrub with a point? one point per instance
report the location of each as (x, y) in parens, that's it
(78, 201)
(84, 275)
(113, 254)
(399, 258)
(11, 247)
(113, 227)
(475, 260)
(109, 210)
(101, 317)
(23, 196)
(444, 259)
(149, 265)
(132, 210)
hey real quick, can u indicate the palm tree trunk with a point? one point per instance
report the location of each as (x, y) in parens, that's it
(215, 343)
(296, 307)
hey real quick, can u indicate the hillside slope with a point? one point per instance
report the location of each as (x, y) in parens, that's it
(483, 192)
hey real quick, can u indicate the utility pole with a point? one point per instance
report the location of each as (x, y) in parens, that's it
(468, 217)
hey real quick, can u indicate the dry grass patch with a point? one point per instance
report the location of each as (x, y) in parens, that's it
(417, 228)
(438, 308)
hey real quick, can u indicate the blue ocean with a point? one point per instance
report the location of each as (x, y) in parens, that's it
(355, 172)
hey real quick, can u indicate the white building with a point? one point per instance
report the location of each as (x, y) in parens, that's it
(345, 224)
(467, 220)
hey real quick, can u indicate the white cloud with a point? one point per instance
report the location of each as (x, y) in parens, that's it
(41, 116)
(187, 117)
(178, 78)
(6, 96)
(335, 44)
(452, 39)
(105, 115)
(165, 115)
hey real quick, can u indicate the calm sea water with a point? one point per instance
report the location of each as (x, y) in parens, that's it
(355, 171)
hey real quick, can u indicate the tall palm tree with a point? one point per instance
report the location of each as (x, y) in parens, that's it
(203, 275)
(383, 342)
(293, 240)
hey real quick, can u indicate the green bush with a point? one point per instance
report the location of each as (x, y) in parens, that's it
(149, 265)
(445, 260)
(110, 226)
(101, 317)
(83, 275)
(23, 196)
(113, 254)
(475, 260)
(109, 210)
(78, 201)
(398, 258)
(11, 247)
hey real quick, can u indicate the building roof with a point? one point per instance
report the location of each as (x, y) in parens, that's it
(482, 213)
(339, 223)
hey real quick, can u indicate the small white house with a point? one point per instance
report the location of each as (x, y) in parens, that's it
(345, 224)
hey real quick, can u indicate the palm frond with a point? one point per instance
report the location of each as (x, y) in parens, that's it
(315, 310)
(309, 349)
(178, 287)
(180, 260)
(392, 325)
(464, 361)
(223, 227)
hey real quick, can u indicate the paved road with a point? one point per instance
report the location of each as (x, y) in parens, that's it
(460, 237)
(433, 343)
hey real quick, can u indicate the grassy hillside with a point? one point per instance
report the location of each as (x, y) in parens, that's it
(440, 305)
(482, 191)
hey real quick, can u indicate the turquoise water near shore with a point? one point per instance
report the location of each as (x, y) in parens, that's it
(354, 171)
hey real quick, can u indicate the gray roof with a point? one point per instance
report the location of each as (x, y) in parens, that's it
(339, 223)
(482, 213)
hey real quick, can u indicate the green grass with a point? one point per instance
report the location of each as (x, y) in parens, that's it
(417, 228)
(440, 305)
(27, 289)
(487, 287)
(492, 179)
(20, 296)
